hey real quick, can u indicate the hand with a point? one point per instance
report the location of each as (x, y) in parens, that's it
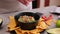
(25, 2)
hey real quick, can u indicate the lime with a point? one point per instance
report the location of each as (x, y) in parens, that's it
(53, 31)
(58, 23)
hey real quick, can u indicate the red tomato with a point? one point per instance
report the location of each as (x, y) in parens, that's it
(44, 17)
(25, 20)
(30, 17)
(50, 17)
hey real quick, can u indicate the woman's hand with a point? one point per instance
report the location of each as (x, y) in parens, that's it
(25, 2)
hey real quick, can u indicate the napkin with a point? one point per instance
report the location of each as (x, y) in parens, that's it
(57, 10)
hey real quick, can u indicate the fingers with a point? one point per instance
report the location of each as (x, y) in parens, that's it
(25, 2)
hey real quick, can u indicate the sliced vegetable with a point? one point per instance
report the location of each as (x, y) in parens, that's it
(58, 23)
(1, 21)
(54, 31)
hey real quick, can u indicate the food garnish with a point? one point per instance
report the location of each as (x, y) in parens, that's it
(58, 23)
(26, 19)
(54, 31)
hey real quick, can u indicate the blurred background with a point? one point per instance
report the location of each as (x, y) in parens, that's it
(45, 3)
(13, 5)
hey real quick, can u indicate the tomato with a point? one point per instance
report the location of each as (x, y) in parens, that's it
(25, 20)
(50, 17)
(30, 17)
(44, 17)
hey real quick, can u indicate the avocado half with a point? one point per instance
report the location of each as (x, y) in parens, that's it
(1, 21)
(53, 31)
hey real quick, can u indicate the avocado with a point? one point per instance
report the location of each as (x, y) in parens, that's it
(54, 31)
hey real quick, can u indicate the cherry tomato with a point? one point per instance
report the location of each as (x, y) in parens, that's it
(25, 20)
(44, 17)
(50, 17)
(30, 17)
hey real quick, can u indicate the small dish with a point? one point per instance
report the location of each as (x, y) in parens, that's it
(27, 26)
